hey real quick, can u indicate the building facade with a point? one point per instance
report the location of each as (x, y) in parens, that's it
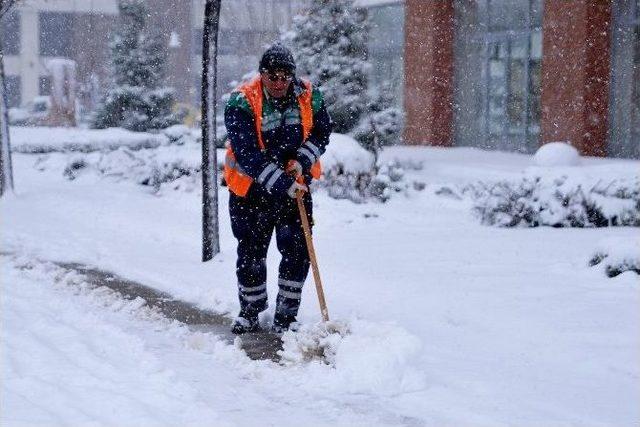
(247, 27)
(495, 74)
(515, 74)
(37, 30)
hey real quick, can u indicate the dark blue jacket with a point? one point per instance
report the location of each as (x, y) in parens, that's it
(281, 134)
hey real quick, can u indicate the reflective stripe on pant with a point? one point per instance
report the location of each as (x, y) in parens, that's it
(289, 295)
(253, 220)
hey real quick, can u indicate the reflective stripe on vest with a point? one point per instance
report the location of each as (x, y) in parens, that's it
(238, 181)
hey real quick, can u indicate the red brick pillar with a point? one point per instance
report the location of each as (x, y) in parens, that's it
(575, 73)
(428, 65)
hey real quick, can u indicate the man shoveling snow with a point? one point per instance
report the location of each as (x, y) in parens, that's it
(278, 128)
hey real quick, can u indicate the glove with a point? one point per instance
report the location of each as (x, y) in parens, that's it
(295, 187)
(294, 168)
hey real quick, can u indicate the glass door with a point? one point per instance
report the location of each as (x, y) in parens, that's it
(624, 95)
(500, 101)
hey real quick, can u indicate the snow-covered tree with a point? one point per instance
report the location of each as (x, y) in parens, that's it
(329, 44)
(137, 99)
(382, 124)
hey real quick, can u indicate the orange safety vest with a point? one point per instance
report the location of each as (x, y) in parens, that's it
(238, 181)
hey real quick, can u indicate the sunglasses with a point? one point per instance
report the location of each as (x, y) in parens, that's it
(279, 78)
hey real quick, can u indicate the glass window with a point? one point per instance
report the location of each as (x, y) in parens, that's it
(497, 51)
(44, 85)
(56, 34)
(508, 15)
(624, 95)
(11, 33)
(14, 97)
(386, 48)
(635, 115)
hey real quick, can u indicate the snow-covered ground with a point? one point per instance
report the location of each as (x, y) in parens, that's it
(451, 322)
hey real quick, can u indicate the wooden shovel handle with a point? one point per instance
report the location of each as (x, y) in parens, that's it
(312, 256)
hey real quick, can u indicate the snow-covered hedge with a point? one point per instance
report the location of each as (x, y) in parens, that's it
(171, 164)
(615, 256)
(173, 157)
(351, 172)
(557, 202)
(40, 140)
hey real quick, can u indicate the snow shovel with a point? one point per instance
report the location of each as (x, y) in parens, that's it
(312, 256)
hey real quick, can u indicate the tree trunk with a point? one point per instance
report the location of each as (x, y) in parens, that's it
(210, 232)
(6, 170)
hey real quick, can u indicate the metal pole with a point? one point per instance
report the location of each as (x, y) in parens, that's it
(210, 234)
(6, 169)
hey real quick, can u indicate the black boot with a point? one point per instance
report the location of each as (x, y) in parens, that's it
(283, 322)
(245, 322)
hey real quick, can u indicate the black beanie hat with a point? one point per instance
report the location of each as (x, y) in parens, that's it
(277, 57)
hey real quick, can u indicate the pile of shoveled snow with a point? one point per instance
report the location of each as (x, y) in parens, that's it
(365, 357)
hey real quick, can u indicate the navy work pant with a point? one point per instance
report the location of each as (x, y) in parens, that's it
(253, 219)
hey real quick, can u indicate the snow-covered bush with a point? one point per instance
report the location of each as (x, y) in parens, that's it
(174, 162)
(382, 124)
(137, 100)
(178, 134)
(559, 202)
(615, 256)
(176, 166)
(351, 172)
(41, 140)
(74, 167)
